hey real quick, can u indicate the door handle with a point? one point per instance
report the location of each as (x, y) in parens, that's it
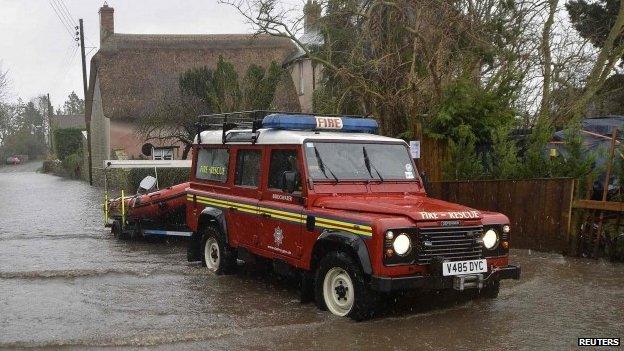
(266, 215)
(233, 208)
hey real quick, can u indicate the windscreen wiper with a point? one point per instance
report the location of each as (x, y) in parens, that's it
(322, 165)
(369, 165)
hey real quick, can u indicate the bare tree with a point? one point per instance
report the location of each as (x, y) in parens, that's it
(547, 59)
(173, 121)
(608, 56)
(394, 59)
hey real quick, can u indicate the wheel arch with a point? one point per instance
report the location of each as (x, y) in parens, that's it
(209, 216)
(350, 243)
(215, 216)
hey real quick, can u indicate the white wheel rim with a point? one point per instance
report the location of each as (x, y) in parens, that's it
(338, 291)
(212, 254)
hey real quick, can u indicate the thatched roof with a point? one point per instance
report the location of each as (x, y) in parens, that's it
(136, 71)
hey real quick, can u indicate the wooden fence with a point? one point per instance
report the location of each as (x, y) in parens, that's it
(540, 210)
(433, 154)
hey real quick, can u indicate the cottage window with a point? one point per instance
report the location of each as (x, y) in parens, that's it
(165, 153)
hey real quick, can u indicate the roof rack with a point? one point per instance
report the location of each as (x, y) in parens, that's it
(243, 120)
(229, 121)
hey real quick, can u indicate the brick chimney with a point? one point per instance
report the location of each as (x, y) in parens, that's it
(311, 13)
(107, 22)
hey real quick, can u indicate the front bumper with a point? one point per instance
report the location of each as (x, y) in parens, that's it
(387, 284)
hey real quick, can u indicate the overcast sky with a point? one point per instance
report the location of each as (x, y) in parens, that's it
(41, 56)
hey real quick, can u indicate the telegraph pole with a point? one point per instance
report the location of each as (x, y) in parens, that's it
(84, 84)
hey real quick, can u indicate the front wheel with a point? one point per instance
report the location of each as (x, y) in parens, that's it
(340, 287)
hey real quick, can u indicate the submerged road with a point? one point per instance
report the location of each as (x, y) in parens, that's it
(65, 282)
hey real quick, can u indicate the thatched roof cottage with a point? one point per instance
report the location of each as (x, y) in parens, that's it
(131, 73)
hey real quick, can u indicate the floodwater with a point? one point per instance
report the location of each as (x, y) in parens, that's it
(66, 283)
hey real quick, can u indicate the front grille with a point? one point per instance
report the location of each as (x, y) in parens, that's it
(448, 243)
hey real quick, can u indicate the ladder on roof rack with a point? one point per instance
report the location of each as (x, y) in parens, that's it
(243, 120)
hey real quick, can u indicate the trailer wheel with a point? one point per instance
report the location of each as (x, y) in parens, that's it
(116, 230)
(340, 287)
(216, 255)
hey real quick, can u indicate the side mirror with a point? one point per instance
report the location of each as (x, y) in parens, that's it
(289, 181)
(147, 185)
(425, 180)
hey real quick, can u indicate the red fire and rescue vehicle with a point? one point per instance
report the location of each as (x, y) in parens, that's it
(343, 208)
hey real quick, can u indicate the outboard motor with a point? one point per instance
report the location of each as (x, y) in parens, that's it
(147, 185)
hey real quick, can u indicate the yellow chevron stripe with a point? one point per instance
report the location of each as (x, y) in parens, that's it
(237, 204)
(351, 225)
(284, 215)
(297, 220)
(347, 229)
(225, 206)
(296, 216)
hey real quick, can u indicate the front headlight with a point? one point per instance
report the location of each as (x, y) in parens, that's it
(490, 239)
(402, 244)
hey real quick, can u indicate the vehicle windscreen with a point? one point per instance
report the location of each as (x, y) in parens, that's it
(358, 161)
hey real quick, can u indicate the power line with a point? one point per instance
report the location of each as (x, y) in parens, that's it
(67, 27)
(65, 13)
(64, 61)
(69, 65)
(69, 15)
(69, 18)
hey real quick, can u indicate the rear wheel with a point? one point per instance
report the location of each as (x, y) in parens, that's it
(340, 287)
(217, 256)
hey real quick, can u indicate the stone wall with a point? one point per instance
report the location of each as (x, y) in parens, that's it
(100, 130)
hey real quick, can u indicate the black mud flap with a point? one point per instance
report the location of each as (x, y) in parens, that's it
(193, 252)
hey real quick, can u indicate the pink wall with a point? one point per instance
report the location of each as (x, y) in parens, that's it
(123, 135)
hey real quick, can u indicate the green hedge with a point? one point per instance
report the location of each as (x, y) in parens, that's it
(166, 176)
(67, 141)
(129, 179)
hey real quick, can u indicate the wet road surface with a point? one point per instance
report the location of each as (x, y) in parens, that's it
(66, 283)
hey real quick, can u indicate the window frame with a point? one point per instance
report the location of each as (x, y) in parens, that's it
(309, 177)
(297, 150)
(196, 164)
(260, 169)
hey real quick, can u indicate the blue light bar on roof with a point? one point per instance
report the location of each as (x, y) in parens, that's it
(310, 122)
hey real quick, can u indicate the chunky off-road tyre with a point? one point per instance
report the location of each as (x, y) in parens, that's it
(340, 287)
(491, 290)
(217, 256)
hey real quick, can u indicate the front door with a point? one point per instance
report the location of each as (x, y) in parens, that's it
(282, 213)
(247, 173)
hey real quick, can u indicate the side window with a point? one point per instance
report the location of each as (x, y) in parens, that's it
(282, 161)
(212, 164)
(247, 168)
